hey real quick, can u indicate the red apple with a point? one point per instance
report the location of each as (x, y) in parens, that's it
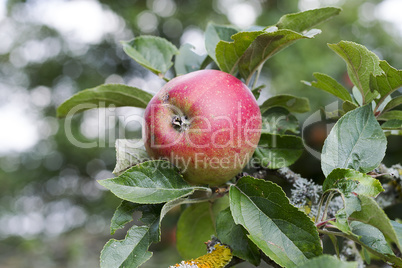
(207, 123)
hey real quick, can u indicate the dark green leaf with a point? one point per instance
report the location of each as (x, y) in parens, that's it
(116, 252)
(280, 230)
(366, 255)
(291, 103)
(197, 225)
(395, 102)
(152, 52)
(394, 114)
(387, 82)
(371, 237)
(278, 151)
(335, 243)
(263, 47)
(103, 96)
(350, 181)
(235, 236)
(361, 63)
(356, 141)
(371, 234)
(229, 52)
(351, 203)
(150, 182)
(123, 215)
(206, 62)
(227, 58)
(348, 106)
(392, 124)
(152, 217)
(187, 60)
(371, 213)
(214, 34)
(130, 252)
(372, 241)
(278, 120)
(398, 230)
(129, 153)
(327, 261)
(305, 20)
(257, 91)
(330, 85)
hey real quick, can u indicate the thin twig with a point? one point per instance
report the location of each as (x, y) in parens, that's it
(324, 215)
(319, 208)
(327, 232)
(324, 223)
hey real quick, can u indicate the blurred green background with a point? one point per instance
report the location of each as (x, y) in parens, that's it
(52, 211)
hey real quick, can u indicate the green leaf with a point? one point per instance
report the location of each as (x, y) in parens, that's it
(394, 114)
(130, 252)
(278, 151)
(387, 82)
(206, 62)
(365, 255)
(361, 63)
(305, 20)
(357, 95)
(196, 225)
(104, 96)
(356, 141)
(229, 52)
(152, 52)
(123, 215)
(235, 236)
(280, 230)
(371, 213)
(392, 124)
(380, 106)
(335, 243)
(395, 102)
(327, 261)
(398, 230)
(371, 234)
(332, 86)
(351, 181)
(257, 91)
(371, 237)
(278, 120)
(152, 215)
(129, 153)
(149, 183)
(348, 106)
(263, 47)
(226, 57)
(250, 49)
(187, 60)
(214, 34)
(289, 102)
(351, 203)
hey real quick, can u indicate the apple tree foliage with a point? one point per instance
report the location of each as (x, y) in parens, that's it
(254, 216)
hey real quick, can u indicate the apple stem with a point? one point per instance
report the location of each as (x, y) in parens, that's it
(180, 122)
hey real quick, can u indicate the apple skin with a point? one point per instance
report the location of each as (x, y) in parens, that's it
(207, 123)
